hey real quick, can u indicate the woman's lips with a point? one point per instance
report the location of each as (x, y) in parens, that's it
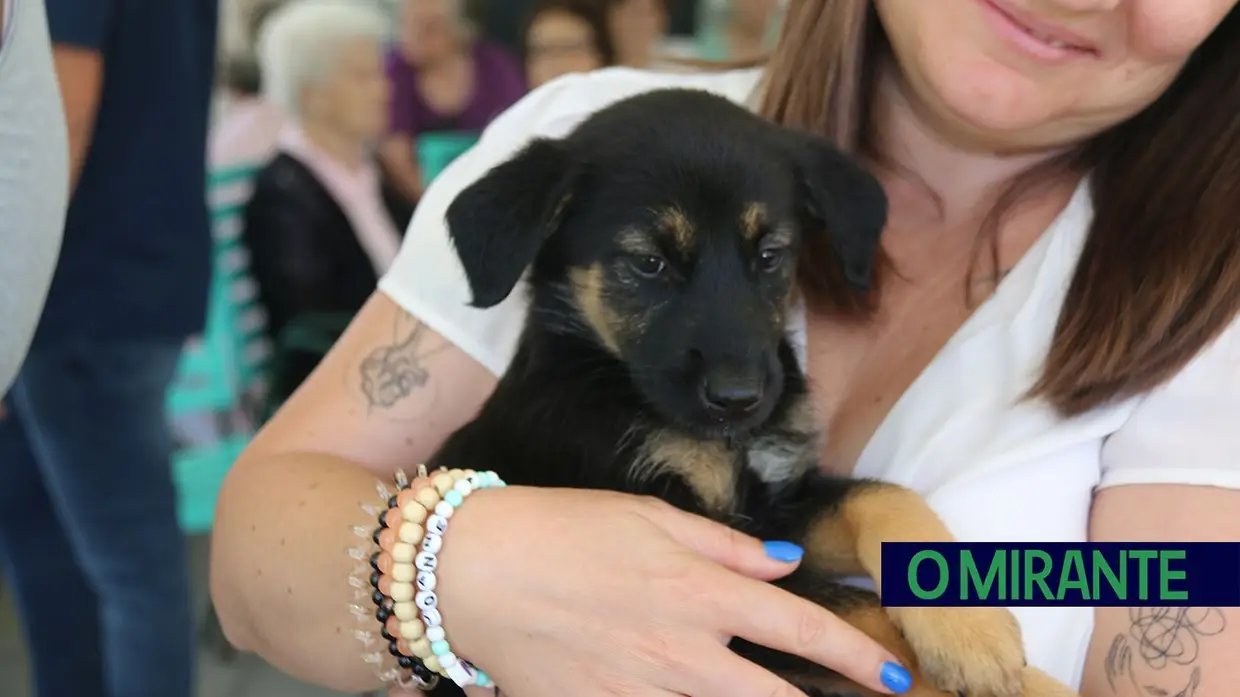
(1034, 37)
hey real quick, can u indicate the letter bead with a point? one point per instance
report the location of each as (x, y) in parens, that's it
(425, 561)
(432, 618)
(437, 524)
(432, 543)
(426, 600)
(445, 508)
(426, 581)
(475, 481)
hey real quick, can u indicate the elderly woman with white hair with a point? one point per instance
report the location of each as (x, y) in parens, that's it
(444, 78)
(322, 226)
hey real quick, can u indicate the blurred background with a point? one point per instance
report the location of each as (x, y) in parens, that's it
(328, 120)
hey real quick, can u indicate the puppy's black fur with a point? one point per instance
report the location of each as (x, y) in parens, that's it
(661, 241)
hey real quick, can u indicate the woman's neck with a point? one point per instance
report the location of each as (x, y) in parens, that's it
(931, 166)
(346, 150)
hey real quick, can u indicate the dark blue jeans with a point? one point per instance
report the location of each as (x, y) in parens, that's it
(88, 529)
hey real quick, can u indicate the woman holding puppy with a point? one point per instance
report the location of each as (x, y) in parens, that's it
(1052, 353)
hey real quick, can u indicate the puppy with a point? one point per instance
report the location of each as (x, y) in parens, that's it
(661, 241)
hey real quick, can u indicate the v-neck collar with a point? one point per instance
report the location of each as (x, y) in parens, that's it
(1046, 266)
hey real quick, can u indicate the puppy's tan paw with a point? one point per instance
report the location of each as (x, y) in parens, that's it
(975, 652)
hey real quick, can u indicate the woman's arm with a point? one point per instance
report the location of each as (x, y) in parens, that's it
(1164, 652)
(284, 522)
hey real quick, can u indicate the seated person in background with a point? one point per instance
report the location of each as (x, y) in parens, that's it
(638, 29)
(566, 36)
(247, 132)
(321, 226)
(443, 78)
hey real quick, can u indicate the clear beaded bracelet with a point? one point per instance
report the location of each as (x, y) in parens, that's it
(403, 582)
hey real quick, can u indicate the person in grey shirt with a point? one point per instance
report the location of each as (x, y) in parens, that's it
(34, 176)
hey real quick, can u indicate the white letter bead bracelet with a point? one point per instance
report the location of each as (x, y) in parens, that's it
(402, 583)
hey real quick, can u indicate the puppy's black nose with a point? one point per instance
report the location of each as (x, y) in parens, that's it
(731, 396)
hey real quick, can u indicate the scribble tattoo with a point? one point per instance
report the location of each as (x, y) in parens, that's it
(392, 372)
(1162, 638)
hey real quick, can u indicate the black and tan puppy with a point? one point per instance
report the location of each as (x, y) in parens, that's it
(661, 240)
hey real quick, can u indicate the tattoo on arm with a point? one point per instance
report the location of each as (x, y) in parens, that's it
(396, 370)
(1158, 655)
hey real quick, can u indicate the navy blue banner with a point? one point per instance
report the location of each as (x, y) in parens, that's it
(1048, 574)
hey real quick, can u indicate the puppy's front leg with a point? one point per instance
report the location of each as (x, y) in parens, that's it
(974, 651)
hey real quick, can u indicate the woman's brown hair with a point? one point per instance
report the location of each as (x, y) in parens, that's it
(1159, 276)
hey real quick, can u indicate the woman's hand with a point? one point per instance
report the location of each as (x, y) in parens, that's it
(588, 593)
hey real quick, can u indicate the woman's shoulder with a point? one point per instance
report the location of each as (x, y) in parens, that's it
(552, 109)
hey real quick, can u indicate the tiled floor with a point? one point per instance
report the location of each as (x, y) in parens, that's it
(247, 676)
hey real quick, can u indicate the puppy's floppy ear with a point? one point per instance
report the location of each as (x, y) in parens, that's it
(844, 201)
(499, 223)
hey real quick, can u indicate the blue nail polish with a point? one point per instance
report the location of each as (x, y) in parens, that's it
(896, 678)
(783, 551)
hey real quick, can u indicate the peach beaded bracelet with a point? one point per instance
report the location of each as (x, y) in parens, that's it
(410, 535)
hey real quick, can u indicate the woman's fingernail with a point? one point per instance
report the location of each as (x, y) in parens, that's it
(896, 678)
(784, 551)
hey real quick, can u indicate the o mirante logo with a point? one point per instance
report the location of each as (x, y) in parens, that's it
(1061, 574)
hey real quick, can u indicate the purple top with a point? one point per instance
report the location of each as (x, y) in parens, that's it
(498, 83)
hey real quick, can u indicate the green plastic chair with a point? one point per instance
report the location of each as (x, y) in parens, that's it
(435, 151)
(713, 18)
(221, 372)
(313, 334)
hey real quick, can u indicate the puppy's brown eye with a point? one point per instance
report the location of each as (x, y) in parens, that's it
(648, 266)
(770, 259)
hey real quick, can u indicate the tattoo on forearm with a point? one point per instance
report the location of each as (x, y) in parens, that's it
(1158, 654)
(394, 371)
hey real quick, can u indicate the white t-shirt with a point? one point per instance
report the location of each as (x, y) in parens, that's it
(995, 468)
(34, 178)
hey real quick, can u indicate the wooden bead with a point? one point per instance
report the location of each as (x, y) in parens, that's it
(384, 562)
(392, 518)
(405, 612)
(413, 511)
(402, 552)
(404, 498)
(443, 482)
(387, 538)
(428, 497)
(420, 647)
(403, 573)
(412, 630)
(410, 532)
(400, 592)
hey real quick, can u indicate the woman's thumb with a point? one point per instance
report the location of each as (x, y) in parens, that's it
(735, 550)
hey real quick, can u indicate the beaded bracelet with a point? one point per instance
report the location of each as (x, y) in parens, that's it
(370, 581)
(409, 536)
